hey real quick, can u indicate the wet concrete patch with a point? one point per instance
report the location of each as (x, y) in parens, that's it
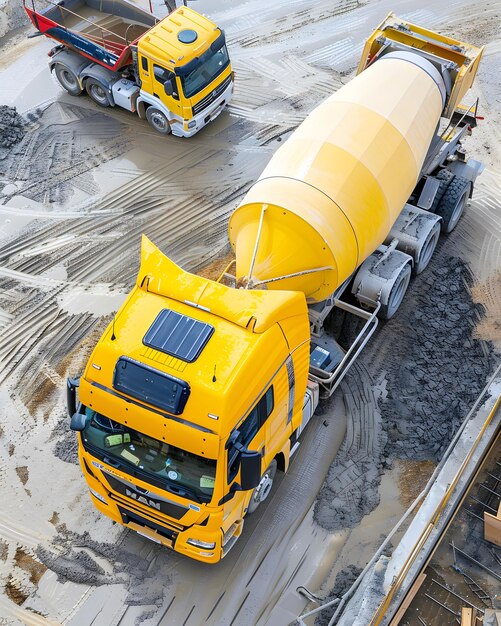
(344, 580)
(80, 559)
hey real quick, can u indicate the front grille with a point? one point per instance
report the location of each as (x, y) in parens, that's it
(130, 491)
(128, 516)
(130, 506)
(214, 95)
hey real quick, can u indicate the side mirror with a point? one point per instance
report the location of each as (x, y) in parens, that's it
(78, 421)
(71, 400)
(168, 88)
(250, 469)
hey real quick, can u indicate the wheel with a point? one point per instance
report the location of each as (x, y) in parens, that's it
(427, 249)
(444, 178)
(452, 205)
(97, 92)
(397, 293)
(262, 491)
(158, 121)
(67, 79)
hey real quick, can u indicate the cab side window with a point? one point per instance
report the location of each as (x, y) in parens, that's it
(163, 76)
(249, 428)
(144, 64)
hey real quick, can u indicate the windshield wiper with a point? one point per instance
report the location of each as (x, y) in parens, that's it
(182, 490)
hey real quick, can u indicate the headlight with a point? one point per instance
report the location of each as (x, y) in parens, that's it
(192, 124)
(98, 496)
(201, 544)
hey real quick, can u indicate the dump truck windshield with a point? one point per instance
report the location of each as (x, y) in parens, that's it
(205, 69)
(162, 464)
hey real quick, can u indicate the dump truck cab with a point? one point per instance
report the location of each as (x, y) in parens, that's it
(175, 435)
(184, 68)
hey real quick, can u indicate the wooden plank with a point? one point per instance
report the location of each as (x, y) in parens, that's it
(492, 527)
(408, 599)
(466, 616)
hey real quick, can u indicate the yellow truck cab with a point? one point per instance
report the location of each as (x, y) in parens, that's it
(174, 433)
(174, 72)
(184, 71)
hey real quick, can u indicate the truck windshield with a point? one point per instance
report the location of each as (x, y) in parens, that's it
(157, 462)
(210, 65)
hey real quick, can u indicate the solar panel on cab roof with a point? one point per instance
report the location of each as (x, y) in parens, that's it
(178, 335)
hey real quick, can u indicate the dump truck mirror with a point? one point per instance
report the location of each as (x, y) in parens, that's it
(78, 421)
(250, 469)
(71, 396)
(168, 88)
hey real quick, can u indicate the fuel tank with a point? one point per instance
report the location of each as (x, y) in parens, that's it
(331, 193)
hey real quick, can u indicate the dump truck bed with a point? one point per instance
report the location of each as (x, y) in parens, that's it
(97, 24)
(87, 25)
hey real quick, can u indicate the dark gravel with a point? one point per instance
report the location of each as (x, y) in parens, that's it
(12, 126)
(439, 367)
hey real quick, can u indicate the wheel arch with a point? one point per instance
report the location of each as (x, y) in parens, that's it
(281, 462)
(71, 61)
(106, 78)
(142, 107)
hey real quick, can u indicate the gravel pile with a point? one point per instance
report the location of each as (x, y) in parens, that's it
(12, 127)
(439, 367)
(435, 369)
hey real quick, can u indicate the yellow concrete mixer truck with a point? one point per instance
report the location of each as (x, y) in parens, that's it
(198, 390)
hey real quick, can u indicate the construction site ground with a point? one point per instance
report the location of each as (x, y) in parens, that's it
(465, 569)
(78, 186)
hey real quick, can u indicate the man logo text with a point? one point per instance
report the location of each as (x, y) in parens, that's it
(142, 499)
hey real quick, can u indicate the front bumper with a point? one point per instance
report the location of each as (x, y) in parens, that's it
(173, 536)
(207, 115)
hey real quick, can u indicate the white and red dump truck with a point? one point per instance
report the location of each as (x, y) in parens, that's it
(174, 72)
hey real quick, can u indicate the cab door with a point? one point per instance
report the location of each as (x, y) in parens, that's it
(158, 81)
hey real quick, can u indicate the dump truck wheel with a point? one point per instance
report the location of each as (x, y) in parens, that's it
(262, 491)
(97, 92)
(427, 249)
(444, 178)
(453, 203)
(397, 293)
(67, 79)
(158, 121)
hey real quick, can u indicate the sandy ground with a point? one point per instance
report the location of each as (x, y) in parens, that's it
(77, 193)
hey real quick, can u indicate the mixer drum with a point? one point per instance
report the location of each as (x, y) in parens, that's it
(331, 193)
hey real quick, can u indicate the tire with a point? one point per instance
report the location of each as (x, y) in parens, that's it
(427, 249)
(67, 79)
(262, 491)
(157, 120)
(452, 205)
(444, 178)
(397, 293)
(97, 92)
